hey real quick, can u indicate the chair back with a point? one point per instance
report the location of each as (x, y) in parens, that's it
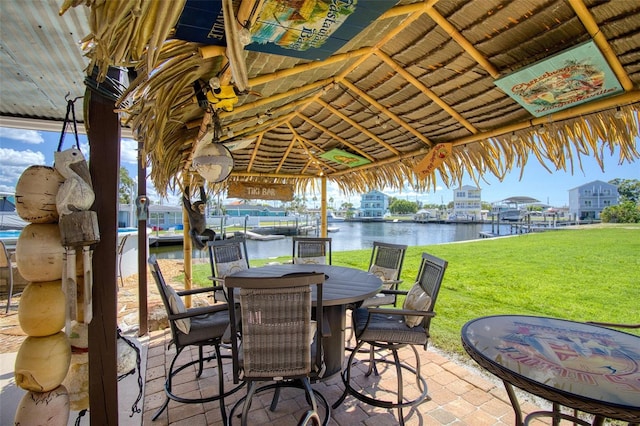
(312, 250)
(5, 259)
(430, 275)
(228, 256)
(5, 263)
(166, 292)
(163, 289)
(387, 259)
(274, 335)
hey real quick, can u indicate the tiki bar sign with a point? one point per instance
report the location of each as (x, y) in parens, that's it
(260, 191)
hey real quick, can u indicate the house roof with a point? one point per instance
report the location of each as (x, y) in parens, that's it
(423, 73)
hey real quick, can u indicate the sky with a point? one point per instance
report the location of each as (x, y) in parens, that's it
(20, 149)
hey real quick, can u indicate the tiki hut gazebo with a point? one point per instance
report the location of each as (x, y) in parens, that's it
(362, 94)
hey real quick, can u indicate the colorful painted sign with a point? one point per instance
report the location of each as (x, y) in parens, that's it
(573, 77)
(346, 158)
(308, 29)
(312, 29)
(433, 160)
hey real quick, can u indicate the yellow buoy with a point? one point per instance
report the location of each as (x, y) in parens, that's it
(41, 311)
(42, 362)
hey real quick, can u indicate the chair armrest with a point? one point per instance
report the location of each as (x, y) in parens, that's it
(195, 312)
(400, 292)
(194, 291)
(389, 311)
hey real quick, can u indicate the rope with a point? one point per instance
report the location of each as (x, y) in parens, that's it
(134, 408)
(70, 111)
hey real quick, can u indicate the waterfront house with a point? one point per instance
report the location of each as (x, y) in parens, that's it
(467, 203)
(587, 201)
(373, 204)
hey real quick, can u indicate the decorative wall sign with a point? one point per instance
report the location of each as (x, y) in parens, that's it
(312, 29)
(575, 76)
(201, 21)
(344, 157)
(308, 29)
(433, 160)
(260, 191)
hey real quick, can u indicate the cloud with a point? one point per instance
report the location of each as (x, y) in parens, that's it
(13, 163)
(25, 136)
(129, 151)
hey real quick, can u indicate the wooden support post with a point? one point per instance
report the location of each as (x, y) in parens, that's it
(104, 165)
(143, 249)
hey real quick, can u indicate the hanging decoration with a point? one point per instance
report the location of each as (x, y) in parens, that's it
(211, 159)
(44, 357)
(433, 160)
(197, 218)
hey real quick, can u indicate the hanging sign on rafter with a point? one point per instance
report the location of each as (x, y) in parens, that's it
(573, 77)
(433, 160)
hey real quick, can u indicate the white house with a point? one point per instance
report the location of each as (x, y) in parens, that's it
(467, 203)
(587, 201)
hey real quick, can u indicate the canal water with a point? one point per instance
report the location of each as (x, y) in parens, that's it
(360, 235)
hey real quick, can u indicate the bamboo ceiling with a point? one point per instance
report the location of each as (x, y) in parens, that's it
(422, 74)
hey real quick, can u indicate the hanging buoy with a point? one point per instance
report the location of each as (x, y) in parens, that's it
(42, 362)
(36, 192)
(41, 311)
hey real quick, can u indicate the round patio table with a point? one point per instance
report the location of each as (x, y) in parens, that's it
(583, 366)
(342, 286)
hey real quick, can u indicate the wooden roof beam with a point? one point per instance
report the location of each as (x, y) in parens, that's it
(425, 90)
(335, 136)
(385, 111)
(266, 78)
(602, 43)
(286, 153)
(278, 97)
(357, 126)
(255, 152)
(305, 144)
(463, 42)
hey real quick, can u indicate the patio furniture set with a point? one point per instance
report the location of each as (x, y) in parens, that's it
(284, 325)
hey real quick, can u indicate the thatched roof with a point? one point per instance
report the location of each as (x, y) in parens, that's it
(421, 74)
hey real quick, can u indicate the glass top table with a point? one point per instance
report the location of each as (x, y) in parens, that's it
(583, 366)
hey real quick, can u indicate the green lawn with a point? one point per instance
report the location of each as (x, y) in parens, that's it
(584, 274)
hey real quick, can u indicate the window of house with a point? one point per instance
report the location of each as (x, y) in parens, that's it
(587, 203)
(587, 192)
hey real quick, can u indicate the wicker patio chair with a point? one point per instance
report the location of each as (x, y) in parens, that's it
(315, 250)
(6, 265)
(392, 329)
(226, 257)
(386, 262)
(203, 326)
(276, 338)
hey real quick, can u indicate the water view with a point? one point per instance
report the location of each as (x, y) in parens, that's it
(360, 235)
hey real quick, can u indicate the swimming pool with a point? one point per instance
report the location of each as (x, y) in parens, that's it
(10, 236)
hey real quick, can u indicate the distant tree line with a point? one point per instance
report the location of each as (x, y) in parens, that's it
(628, 208)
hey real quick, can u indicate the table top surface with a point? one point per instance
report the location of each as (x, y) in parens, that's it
(342, 285)
(559, 359)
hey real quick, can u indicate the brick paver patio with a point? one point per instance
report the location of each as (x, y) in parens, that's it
(460, 395)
